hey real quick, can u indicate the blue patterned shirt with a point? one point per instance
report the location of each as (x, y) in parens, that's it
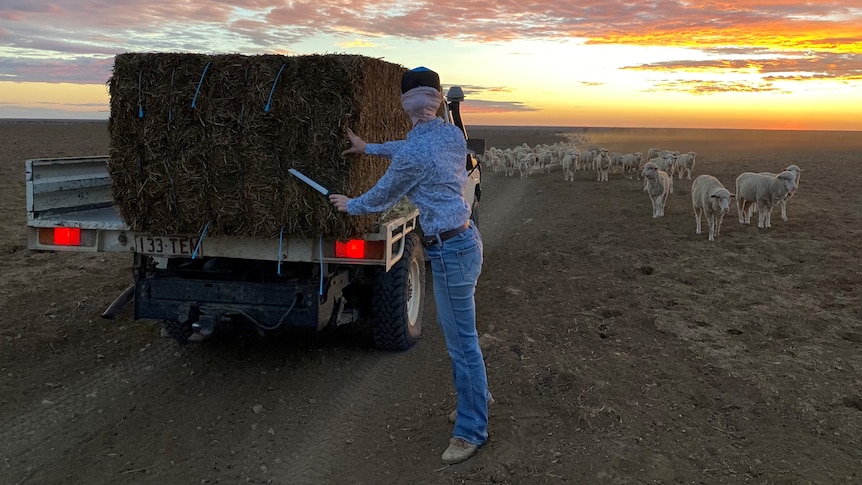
(429, 167)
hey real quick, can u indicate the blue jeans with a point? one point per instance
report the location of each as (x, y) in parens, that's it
(456, 265)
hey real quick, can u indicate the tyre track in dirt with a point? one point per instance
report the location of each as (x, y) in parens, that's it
(320, 441)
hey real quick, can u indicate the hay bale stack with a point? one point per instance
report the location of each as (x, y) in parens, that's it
(207, 140)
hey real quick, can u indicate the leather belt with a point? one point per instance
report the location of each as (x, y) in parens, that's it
(428, 241)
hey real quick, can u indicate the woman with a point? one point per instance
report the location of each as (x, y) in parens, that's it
(429, 168)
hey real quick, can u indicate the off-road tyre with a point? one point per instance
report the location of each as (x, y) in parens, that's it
(398, 299)
(474, 213)
(179, 331)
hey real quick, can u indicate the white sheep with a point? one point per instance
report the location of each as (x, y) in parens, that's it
(525, 164)
(797, 172)
(603, 164)
(663, 153)
(710, 198)
(570, 160)
(657, 185)
(765, 191)
(685, 163)
(665, 164)
(616, 162)
(585, 161)
(631, 163)
(510, 164)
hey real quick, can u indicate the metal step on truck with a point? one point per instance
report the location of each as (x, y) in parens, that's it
(194, 284)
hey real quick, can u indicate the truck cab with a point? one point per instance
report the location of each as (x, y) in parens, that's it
(472, 191)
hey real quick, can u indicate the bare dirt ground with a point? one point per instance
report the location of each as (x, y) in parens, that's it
(620, 349)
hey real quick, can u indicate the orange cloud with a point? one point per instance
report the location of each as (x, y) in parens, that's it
(711, 87)
(356, 43)
(800, 66)
(828, 39)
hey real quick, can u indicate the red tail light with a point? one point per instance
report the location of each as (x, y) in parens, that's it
(353, 249)
(67, 236)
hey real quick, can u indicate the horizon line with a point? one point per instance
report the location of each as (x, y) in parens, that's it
(560, 127)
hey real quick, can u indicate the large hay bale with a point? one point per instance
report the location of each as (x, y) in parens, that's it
(207, 140)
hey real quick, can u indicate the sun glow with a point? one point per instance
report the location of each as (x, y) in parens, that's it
(683, 64)
(49, 100)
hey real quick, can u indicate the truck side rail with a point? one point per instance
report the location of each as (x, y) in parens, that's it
(57, 186)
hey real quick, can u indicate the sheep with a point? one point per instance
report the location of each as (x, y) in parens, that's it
(657, 186)
(496, 163)
(765, 191)
(710, 198)
(542, 161)
(525, 165)
(616, 162)
(796, 171)
(509, 164)
(570, 160)
(665, 164)
(603, 164)
(685, 163)
(586, 159)
(631, 163)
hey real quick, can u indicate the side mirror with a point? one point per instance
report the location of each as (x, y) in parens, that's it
(476, 145)
(455, 93)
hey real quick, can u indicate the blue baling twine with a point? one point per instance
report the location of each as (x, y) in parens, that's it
(271, 91)
(200, 241)
(140, 94)
(320, 255)
(198, 90)
(280, 241)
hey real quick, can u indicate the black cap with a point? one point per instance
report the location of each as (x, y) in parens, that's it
(420, 76)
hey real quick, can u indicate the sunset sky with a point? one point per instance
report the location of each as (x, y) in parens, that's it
(770, 64)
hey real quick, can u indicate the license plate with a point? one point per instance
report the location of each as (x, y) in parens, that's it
(165, 245)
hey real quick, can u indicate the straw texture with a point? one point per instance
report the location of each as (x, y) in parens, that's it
(207, 140)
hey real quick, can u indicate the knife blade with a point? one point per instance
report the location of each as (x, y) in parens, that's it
(311, 183)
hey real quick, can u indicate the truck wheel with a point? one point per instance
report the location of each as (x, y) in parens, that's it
(179, 331)
(398, 299)
(474, 213)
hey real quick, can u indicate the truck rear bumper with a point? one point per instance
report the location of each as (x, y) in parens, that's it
(267, 305)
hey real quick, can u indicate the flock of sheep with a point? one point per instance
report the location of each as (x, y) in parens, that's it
(759, 192)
